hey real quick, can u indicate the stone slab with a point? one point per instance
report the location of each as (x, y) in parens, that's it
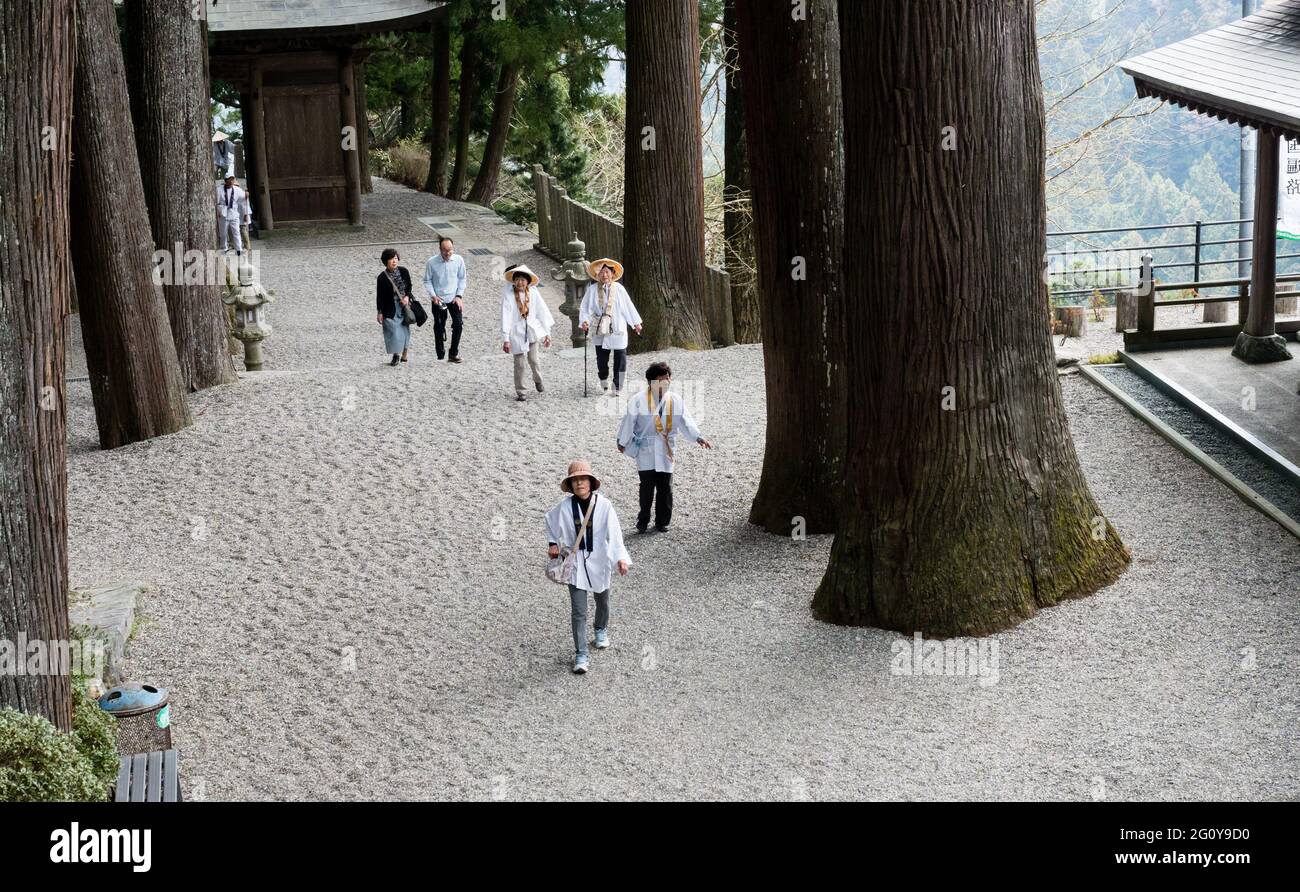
(108, 612)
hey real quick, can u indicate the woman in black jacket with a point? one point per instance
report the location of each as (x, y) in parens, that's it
(393, 304)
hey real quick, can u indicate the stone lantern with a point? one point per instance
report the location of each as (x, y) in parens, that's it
(249, 300)
(575, 278)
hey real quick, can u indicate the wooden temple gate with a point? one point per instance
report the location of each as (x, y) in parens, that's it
(300, 76)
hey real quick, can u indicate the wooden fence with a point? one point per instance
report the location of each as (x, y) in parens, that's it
(559, 217)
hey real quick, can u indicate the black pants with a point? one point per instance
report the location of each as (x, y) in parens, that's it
(657, 490)
(620, 365)
(440, 328)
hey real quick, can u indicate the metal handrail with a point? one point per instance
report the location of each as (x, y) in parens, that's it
(1150, 228)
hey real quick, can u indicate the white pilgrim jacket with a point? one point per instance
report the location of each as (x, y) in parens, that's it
(513, 327)
(643, 443)
(239, 210)
(594, 569)
(622, 313)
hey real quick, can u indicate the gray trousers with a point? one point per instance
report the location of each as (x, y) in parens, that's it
(531, 357)
(578, 597)
(229, 230)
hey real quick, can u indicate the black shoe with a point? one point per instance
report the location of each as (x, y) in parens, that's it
(659, 529)
(397, 357)
(455, 359)
(641, 528)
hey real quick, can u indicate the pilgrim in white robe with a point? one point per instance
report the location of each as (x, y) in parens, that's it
(641, 439)
(232, 209)
(594, 570)
(621, 310)
(518, 331)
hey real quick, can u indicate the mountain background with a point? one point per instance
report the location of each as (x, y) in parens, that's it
(1151, 164)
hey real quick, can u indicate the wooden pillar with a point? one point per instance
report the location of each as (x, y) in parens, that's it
(256, 130)
(351, 157)
(363, 124)
(1262, 321)
(1259, 341)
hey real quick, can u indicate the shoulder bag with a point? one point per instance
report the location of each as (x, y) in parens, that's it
(564, 568)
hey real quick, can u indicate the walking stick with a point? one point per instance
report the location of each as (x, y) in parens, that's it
(585, 341)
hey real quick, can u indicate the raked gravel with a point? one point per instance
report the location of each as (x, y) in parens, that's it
(347, 599)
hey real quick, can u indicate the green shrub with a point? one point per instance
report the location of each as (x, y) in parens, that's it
(38, 763)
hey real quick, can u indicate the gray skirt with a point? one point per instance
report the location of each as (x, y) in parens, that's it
(396, 335)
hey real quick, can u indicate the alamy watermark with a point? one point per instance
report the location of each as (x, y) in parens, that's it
(975, 657)
(36, 656)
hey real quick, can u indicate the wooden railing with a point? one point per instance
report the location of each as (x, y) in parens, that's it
(559, 217)
(1135, 309)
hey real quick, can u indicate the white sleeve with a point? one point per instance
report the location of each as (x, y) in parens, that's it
(614, 532)
(688, 423)
(629, 311)
(554, 531)
(506, 299)
(627, 427)
(547, 319)
(588, 308)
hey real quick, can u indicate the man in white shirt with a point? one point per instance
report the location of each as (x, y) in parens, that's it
(444, 280)
(648, 436)
(232, 209)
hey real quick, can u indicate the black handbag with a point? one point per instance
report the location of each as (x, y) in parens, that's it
(417, 310)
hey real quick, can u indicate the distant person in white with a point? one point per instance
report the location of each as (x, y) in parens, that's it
(607, 311)
(525, 322)
(223, 155)
(232, 209)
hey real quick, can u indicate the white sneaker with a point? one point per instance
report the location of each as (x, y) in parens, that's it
(602, 639)
(580, 664)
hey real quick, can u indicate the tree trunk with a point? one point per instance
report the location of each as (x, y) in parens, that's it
(363, 125)
(792, 103)
(966, 509)
(503, 105)
(134, 376)
(467, 89)
(738, 213)
(169, 103)
(441, 107)
(37, 45)
(663, 171)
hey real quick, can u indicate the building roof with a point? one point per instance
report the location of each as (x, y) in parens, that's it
(1246, 72)
(286, 18)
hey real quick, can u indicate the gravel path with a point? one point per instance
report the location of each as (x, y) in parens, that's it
(327, 639)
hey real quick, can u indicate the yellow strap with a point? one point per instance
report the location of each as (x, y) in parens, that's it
(668, 410)
(524, 304)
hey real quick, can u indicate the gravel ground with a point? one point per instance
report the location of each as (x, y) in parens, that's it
(1259, 475)
(348, 600)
